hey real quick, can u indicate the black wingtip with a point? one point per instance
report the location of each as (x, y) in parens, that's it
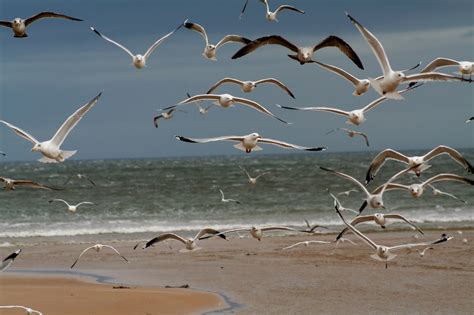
(188, 24)
(95, 31)
(362, 207)
(155, 121)
(184, 139)
(326, 169)
(317, 149)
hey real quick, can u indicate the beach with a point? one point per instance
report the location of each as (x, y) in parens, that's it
(245, 276)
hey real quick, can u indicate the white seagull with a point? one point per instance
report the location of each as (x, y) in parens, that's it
(28, 310)
(50, 149)
(165, 115)
(211, 50)
(80, 176)
(438, 192)
(253, 180)
(249, 86)
(411, 161)
(391, 79)
(223, 199)
(338, 205)
(225, 101)
(352, 134)
(272, 16)
(18, 25)
(72, 208)
(464, 67)
(189, 243)
(257, 233)
(305, 243)
(9, 260)
(98, 248)
(139, 61)
(202, 110)
(356, 116)
(347, 192)
(385, 253)
(11, 184)
(303, 54)
(248, 143)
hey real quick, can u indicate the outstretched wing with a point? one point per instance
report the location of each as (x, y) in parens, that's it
(257, 106)
(197, 28)
(334, 41)
(112, 248)
(163, 237)
(454, 154)
(339, 71)
(277, 83)
(205, 140)
(113, 42)
(400, 217)
(225, 80)
(318, 109)
(262, 41)
(288, 7)
(287, 145)
(232, 38)
(21, 132)
(83, 252)
(159, 41)
(6, 24)
(44, 15)
(380, 159)
(352, 179)
(439, 63)
(450, 177)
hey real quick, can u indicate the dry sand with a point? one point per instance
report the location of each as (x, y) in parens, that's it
(259, 278)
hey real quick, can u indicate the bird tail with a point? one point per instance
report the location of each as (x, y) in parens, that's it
(67, 154)
(45, 159)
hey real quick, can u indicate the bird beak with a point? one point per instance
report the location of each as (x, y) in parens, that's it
(383, 207)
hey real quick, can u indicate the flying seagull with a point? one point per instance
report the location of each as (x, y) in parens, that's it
(356, 116)
(257, 233)
(347, 192)
(249, 142)
(223, 199)
(11, 184)
(305, 243)
(249, 86)
(9, 260)
(303, 54)
(139, 61)
(28, 310)
(338, 205)
(253, 180)
(98, 248)
(189, 243)
(272, 16)
(353, 133)
(80, 176)
(165, 115)
(72, 208)
(211, 50)
(421, 161)
(51, 148)
(464, 67)
(392, 79)
(19, 25)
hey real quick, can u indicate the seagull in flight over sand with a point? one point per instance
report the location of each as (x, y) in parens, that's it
(98, 248)
(391, 79)
(19, 25)
(385, 253)
(72, 208)
(189, 243)
(80, 176)
(11, 184)
(305, 243)
(211, 50)
(257, 233)
(28, 310)
(138, 60)
(272, 16)
(223, 199)
(249, 86)
(225, 101)
(438, 192)
(352, 134)
(303, 54)
(411, 161)
(356, 116)
(253, 180)
(9, 260)
(248, 143)
(50, 149)
(312, 227)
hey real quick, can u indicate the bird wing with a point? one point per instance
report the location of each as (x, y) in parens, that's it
(225, 80)
(33, 184)
(113, 42)
(352, 179)
(21, 133)
(232, 38)
(243, 169)
(390, 186)
(262, 41)
(205, 140)
(6, 24)
(318, 109)
(408, 246)
(334, 41)
(159, 41)
(450, 177)
(288, 7)
(197, 28)
(365, 137)
(163, 237)
(60, 200)
(155, 120)
(355, 221)
(258, 176)
(43, 15)
(287, 145)
(375, 45)
(454, 154)
(380, 159)
(72, 121)
(112, 248)
(213, 232)
(399, 216)
(85, 250)
(339, 71)
(256, 106)
(439, 63)
(85, 203)
(431, 76)
(90, 180)
(243, 9)
(222, 193)
(277, 83)
(279, 228)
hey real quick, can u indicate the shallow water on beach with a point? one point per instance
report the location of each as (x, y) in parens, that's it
(182, 194)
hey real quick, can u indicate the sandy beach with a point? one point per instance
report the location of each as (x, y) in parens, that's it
(245, 276)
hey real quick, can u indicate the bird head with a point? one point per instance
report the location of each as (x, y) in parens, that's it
(255, 136)
(17, 21)
(36, 147)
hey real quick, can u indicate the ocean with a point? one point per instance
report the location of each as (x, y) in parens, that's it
(182, 194)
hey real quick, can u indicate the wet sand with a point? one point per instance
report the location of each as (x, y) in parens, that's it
(259, 277)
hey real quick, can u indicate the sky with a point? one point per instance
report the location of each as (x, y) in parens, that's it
(62, 65)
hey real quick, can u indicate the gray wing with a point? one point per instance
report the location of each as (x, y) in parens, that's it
(6, 24)
(44, 15)
(225, 80)
(287, 145)
(232, 38)
(288, 7)
(159, 41)
(33, 184)
(21, 132)
(432, 76)
(355, 221)
(163, 237)
(340, 72)
(212, 232)
(262, 41)
(113, 42)
(83, 252)
(112, 248)
(352, 179)
(380, 159)
(205, 140)
(400, 217)
(334, 41)
(197, 28)
(257, 106)
(450, 177)
(318, 109)
(439, 63)
(454, 154)
(277, 83)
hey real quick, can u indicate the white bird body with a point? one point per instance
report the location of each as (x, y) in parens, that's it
(272, 16)
(72, 208)
(253, 180)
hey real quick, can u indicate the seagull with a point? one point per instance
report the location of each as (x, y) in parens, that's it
(392, 79)
(272, 16)
(352, 133)
(249, 142)
(338, 205)
(378, 218)
(211, 50)
(11, 184)
(312, 228)
(421, 252)
(421, 161)
(249, 86)
(467, 121)
(253, 180)
(51, 148)
(226, 100)
(385, 253)
(305, 243)
(258, 232)
(97, 248)
(227, 200)
(438, 192)
(303, 54)
(356, 116)
(165, 115)
(72, 208)
(373, 199)
(28, 310)
(9, 260)
(139, 61)
(202, 110)
(80, 176)
(464, 67)
(189, 243)
(19, 25)
(347, 193)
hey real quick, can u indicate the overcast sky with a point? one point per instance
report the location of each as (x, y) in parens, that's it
(63, 64)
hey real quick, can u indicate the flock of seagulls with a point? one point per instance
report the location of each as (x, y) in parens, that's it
(387, 85)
